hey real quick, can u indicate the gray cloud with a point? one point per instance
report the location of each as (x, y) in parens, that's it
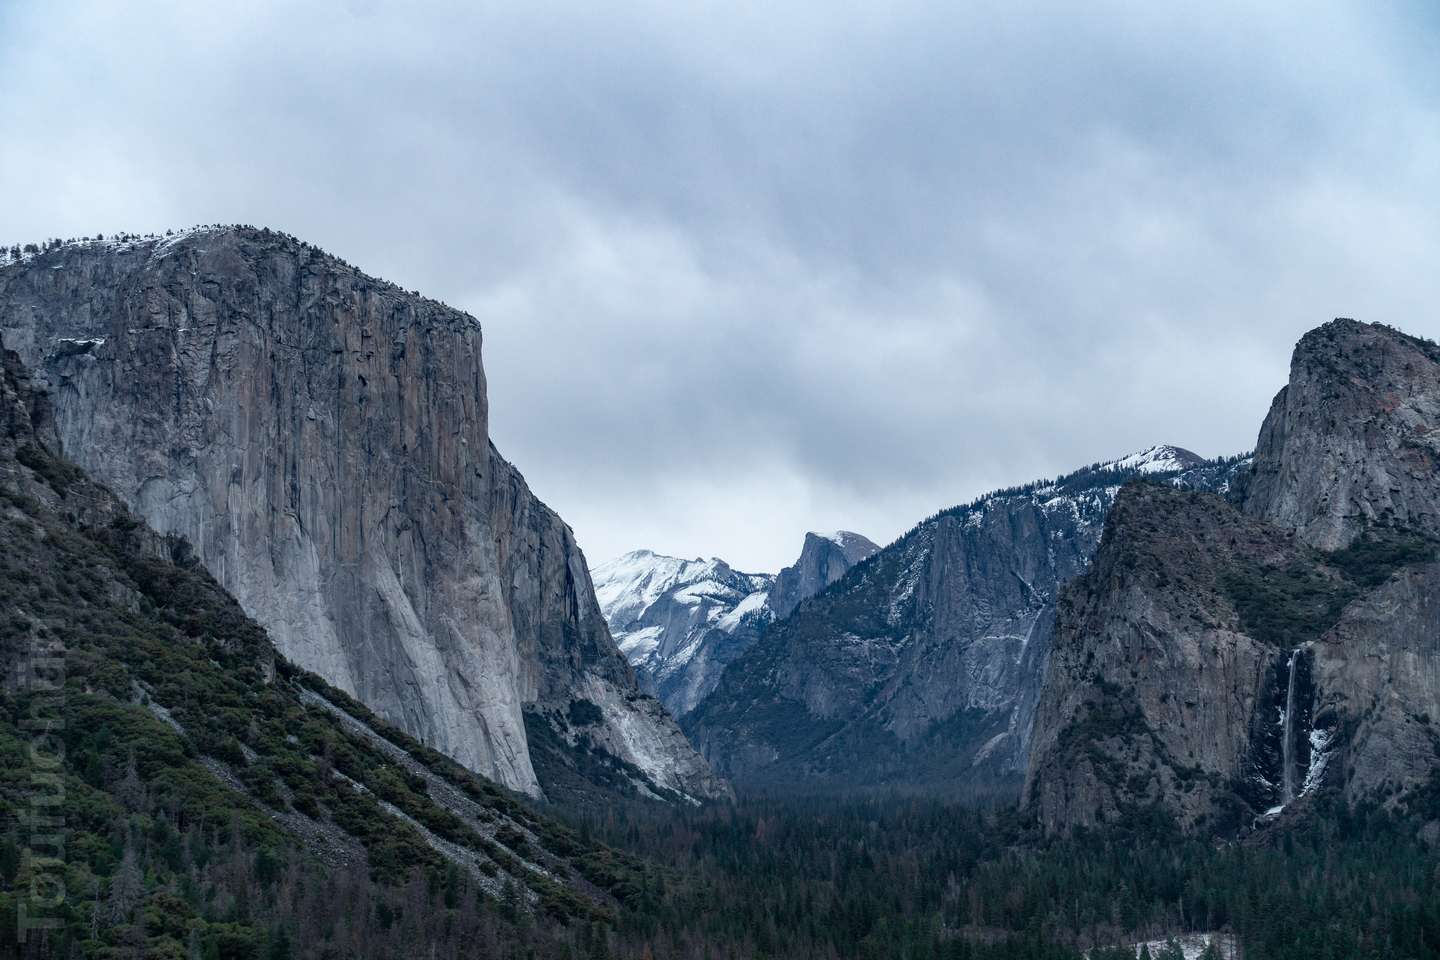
(749, 271)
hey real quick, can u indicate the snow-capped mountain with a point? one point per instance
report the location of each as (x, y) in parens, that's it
(680, 622)
(1162, 458)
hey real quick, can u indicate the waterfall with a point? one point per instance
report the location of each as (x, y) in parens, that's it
(1287, 746)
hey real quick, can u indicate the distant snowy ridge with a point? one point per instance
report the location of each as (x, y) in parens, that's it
(634, 587)
(1162, 458)
(680, 621)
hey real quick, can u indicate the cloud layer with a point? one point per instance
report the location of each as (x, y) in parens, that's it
(750, 270)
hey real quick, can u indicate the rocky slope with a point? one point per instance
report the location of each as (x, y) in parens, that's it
(922, 665)
(681, 622)
(1228, 664)
(321, 437)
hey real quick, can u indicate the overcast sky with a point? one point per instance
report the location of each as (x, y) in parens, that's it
(746, 270)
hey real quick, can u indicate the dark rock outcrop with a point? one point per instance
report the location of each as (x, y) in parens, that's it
(321, 438)
(1158, 691)
(1221, 663)
(25, 415)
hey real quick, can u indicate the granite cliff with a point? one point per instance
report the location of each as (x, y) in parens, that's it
(321, 437)
(823, 560)
(1351, 440)
(164, 704)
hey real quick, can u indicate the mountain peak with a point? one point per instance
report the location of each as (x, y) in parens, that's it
(842, 538)
(680, 621)
(824, 558)
(1359, 393)
(1161, 458)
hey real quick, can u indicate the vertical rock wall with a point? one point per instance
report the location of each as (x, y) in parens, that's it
(321, 438)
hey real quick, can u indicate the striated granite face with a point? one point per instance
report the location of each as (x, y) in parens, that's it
(1350, 455)
(1352, 439)
(823, 560)
(921, 666)
(1229, 664)
(321, 438)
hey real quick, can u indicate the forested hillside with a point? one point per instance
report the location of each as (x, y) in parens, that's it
(174, 788)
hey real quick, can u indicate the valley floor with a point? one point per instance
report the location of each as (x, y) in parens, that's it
(923, 879)
(900, 878)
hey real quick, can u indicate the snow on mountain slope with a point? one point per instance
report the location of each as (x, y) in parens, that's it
(679, 622)
(1162, 458)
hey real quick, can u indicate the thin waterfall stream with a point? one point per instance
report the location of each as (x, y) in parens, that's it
(1287, 746)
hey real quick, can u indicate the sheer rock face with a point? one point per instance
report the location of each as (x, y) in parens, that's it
(1165, 690)
(321, 438)
(1226, 664)
(921, 667)
(823, 560)
(1377, 683)
(1353, 439)
(1351, 446)
(25, 415)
